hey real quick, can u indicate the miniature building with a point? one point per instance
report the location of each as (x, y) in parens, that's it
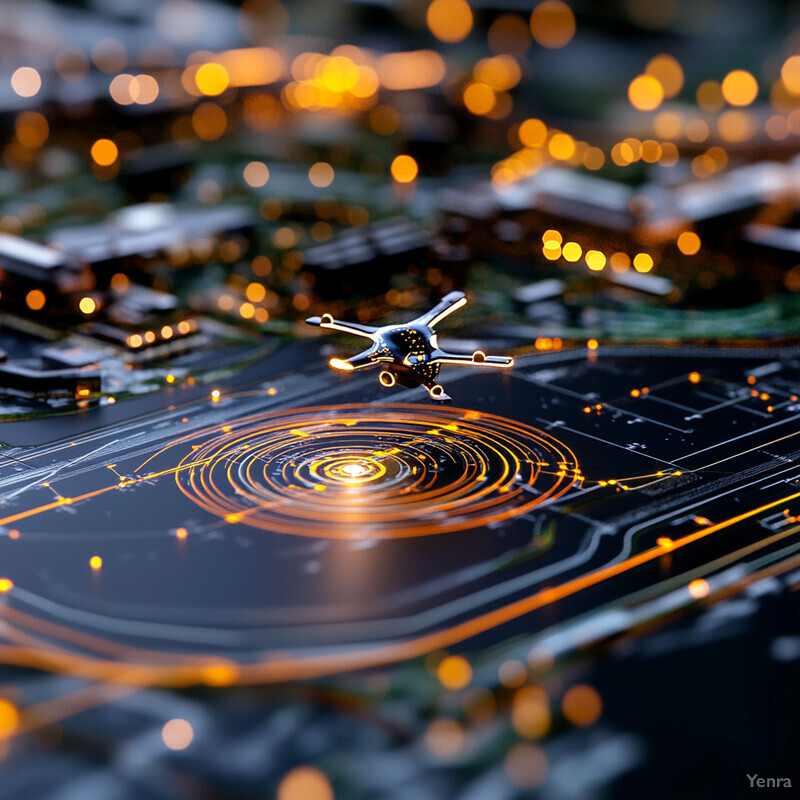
(54, 278)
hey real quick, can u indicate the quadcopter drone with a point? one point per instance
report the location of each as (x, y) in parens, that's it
(409, 354)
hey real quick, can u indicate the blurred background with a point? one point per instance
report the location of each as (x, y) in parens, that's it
(624, 171)
(636, 155)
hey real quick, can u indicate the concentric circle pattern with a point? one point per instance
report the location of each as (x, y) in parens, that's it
(362, 471)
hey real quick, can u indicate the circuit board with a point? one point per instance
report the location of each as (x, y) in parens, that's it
(294, 525)
(581, 489)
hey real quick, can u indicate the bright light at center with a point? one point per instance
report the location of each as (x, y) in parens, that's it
(354, 470)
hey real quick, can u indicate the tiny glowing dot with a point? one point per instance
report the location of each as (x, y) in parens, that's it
(321, 174)
(256, 174)
(694, 377)
(582, 705)
(645, 93)
(698, 588)
(6, 584)
(122, 89)
(561, 146)
(552, 236)
(530, 712)
(215, 395)
(668, 72)
(620, 262)
(642, 262)
(790, 73)
(181, 533)
(533, 133)
(255, 292)
(444, 738)
(449, 20)
(479, 98)
(593, 158)
(571, 251)
(177, 734)
(526, 766)
(95, 562)
(209, 121)
(709, 96)
(87, 305)
(9, 718)
(592, 344)
(739, 88)
(32, 129)
(35, 300)
(305, 783)
(212, 79)
(454, 672)
(170, 379)
(595, 260)
(146, 89)
(26, 82)
(512, 673)
(664, 542)
(689, 243)
(404, 169)
(104, 152)
(552, 24)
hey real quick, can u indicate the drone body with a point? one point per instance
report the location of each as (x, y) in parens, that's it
(409, 354)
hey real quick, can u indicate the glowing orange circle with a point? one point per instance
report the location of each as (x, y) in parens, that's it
(375, 472)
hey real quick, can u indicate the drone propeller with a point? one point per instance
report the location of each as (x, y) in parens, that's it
(327, 321)
(447, 305)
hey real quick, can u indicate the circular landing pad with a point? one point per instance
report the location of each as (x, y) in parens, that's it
(363, 471)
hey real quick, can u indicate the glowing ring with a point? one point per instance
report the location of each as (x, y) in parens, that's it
(362, 471)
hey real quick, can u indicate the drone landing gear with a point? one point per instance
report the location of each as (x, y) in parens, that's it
(437, 393)
(387, 379)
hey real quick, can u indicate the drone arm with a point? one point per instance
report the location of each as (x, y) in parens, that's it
(328, 322)
(504, 362)
(477, 359)
(447, 305)
(362, 360)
